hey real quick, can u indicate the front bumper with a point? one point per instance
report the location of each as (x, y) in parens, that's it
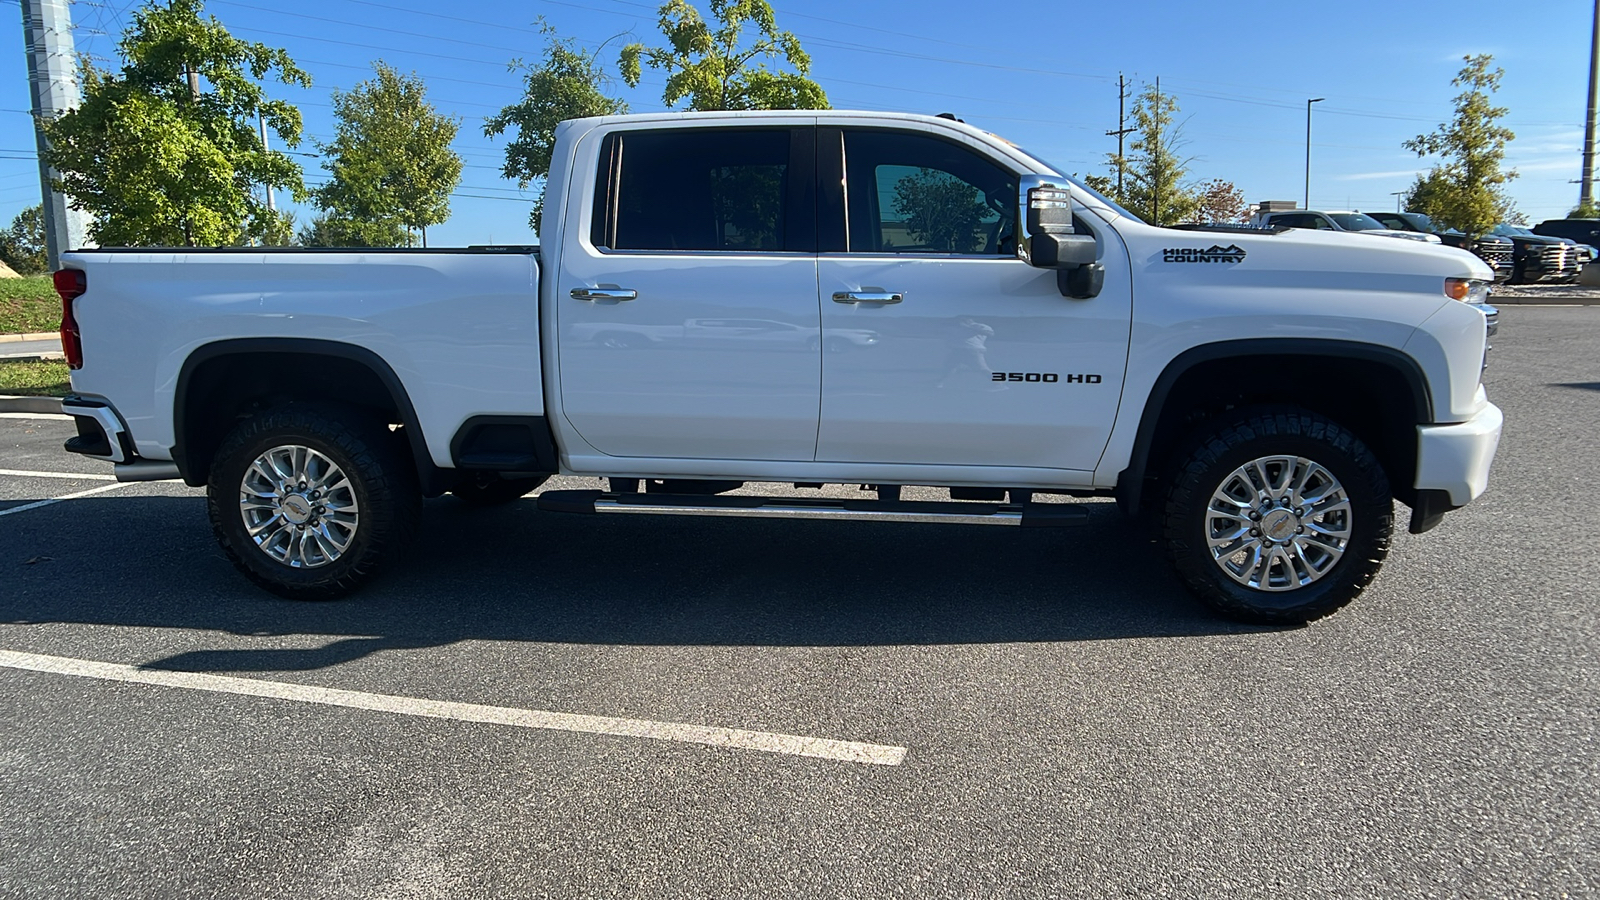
(1454, 459)
(103, 435)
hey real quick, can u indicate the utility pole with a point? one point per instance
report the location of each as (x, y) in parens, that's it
(53, 89)
(1122, 129)
(1155, 159)
(1308, 145)
(261, 123)
(1586, 192)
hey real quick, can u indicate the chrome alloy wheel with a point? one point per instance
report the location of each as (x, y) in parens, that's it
(1278, 523)
(298, 506)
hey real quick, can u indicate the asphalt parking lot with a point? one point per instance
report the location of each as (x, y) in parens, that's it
(1054, 716)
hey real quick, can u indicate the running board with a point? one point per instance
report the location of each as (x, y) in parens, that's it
(1032, 515)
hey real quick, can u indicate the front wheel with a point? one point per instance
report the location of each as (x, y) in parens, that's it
(1278, 517)
(311, 502)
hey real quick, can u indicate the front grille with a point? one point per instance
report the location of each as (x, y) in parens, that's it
(1496, 255)
(1558, 256)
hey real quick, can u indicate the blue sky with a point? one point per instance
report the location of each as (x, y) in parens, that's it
(1041, 75)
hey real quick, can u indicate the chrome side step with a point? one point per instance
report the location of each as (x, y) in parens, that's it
(1033, 515)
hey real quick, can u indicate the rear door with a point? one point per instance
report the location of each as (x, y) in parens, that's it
(942, 346)
(687, 312)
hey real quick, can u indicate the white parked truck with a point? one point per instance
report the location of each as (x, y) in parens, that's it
(806, 297)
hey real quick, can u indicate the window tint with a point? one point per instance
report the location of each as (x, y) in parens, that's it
(702, 189)
(912, 193)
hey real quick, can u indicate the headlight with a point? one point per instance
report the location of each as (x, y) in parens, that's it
(1467, 290)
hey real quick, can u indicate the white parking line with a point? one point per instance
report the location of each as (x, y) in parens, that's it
(25, 415)
(766, 742)
(38, 503)
(78, 476)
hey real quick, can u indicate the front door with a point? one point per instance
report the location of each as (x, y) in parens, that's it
(942, 347)
(688, 314)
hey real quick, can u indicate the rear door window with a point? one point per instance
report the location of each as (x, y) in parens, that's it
(732, 190)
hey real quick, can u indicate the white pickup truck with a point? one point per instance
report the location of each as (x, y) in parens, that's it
(806, 297)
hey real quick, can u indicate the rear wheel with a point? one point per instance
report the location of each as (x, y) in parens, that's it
(311, 502)
(1278, 517)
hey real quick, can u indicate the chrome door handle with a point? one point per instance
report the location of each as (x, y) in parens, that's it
(604, 293)
(868, 295)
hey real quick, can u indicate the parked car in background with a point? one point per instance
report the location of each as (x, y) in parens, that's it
(1583, 231)
(1339, 220)
(1540, 257)
(1499, 252)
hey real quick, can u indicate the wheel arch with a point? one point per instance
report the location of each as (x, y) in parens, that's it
(216, 385)
(1208, 378)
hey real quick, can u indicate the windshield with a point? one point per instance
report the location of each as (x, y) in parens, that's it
(1422, 221)
(1356, 221)
(1517, 230)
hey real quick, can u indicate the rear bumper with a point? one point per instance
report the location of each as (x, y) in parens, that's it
(103, 435)
(1455, 459)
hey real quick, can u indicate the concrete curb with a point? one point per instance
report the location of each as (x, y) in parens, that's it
(1544, 301)
(46, 405)
(31, 336)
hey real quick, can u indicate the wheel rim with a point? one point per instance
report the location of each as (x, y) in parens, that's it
(298, 506)
(1278, 523)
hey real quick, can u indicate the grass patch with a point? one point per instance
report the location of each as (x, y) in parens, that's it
(34, 379)
(29, 305)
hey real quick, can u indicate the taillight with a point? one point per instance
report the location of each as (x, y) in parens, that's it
(70, 284)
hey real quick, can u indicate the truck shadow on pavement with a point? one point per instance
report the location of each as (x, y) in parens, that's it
(517, 574)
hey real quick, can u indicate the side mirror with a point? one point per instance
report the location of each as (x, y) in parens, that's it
(1050, 242)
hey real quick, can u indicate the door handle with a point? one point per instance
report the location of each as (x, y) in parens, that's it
(868, 295)
(604, 293)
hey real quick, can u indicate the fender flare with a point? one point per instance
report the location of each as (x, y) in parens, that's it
(429, 475)
(1130, 481)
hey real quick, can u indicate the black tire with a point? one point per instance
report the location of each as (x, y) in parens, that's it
(489, 489)
(381, 480)
(1224, 446)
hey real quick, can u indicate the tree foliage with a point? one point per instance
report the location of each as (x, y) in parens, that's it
(1466, 189)
(1154, 185)
(715, 68)
(567, 83)
(1433, 194)
(331, 230)
(1585, 210)
(390, 162)
(159, 163)
(940, 210)
(22, 246)
(1220, 203)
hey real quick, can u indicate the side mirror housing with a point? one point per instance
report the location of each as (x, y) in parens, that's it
(1049, 240)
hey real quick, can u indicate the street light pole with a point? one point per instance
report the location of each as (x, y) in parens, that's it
(1586, 192)
(1308, 146)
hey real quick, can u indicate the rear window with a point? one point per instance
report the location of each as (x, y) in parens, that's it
(705, 189)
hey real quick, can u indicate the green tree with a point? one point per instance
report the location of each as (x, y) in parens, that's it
(940, 210)
(22, 246)
(715, 68)
(1466, 189)
(167, 152)
(1585, 210)
(390, 161)
(1154, 185)
(329, 230)
(568, 83)
(1433, 194)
